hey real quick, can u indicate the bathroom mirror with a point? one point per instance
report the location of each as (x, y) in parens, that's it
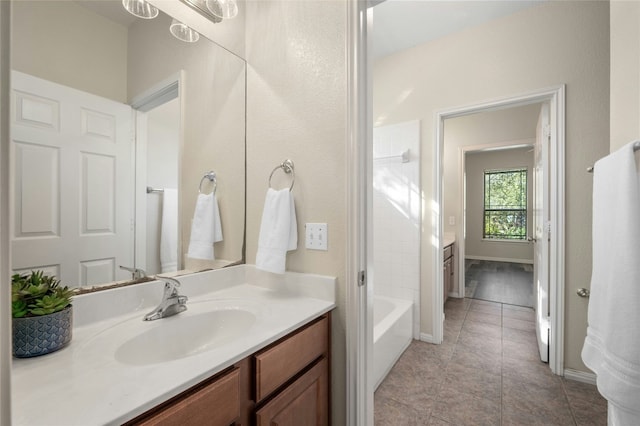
(104, 105)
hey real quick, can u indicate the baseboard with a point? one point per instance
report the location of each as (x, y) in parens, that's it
(424, 337)
(499, 259)
(580, 376)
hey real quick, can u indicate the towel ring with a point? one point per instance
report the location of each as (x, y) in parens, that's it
(287, 167)
(212, 178)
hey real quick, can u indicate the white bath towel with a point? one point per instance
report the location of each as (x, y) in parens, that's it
(278, 231)
(206, 228)
(612, 346)
(169, 231)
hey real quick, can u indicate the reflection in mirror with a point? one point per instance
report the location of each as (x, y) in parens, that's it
(104, 106)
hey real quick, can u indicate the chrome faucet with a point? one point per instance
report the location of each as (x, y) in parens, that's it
(172, 303)
(136, 273)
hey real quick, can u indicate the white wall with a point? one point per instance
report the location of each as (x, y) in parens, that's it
(68, 44)
(625, 72)
(475, 246)
(540, 47)
(396, 215)
(296, 108)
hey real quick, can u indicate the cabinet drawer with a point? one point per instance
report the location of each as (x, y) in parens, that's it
(304, 402)
(214, 404)
(279, 363)
(448, 252)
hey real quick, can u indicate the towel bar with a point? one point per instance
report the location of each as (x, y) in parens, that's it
(636, 148)
(211, 175)
(288, 168)
(150, 190)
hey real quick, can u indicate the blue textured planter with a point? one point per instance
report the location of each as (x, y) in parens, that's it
(34, 336)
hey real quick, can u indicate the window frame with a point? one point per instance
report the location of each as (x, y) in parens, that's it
(523, 208)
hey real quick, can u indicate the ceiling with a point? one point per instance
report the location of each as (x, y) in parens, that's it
(402, 24)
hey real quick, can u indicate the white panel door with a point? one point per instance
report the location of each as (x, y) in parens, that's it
(72, 182)
(540, 231)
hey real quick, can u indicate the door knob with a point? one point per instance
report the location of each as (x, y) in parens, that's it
(583, 292)
(531, 239)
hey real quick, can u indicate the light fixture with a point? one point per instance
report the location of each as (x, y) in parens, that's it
(225, 9)
(140, 8)
(183, 32)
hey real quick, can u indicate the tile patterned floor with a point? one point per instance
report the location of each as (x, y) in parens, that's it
(504, 282)
(487, 372)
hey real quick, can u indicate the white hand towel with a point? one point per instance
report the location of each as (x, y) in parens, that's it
(206, 228)
(612, 346)
(169, 231)
(278, 231)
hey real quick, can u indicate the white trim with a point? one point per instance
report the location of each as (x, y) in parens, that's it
(359, 299)
(580, 376)
(424, 337)
(496, 240)
(158, 94)
(556, 98)
(166, 90)
(500, 259)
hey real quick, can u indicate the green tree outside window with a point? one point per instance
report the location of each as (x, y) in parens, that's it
(505, 204)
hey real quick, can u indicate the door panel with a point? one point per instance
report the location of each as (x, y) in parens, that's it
(72, 191)
(540, 231)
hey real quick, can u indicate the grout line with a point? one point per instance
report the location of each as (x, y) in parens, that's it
(566, 397)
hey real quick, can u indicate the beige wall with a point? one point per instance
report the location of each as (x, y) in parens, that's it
(213, 130)
(476, 163)
(547, 45)
(230, 33)
(5, 270)
(515, 125)
(68, 44)
(625, 72)
(296, 108)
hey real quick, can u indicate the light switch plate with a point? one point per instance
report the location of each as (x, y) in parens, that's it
(316, 235)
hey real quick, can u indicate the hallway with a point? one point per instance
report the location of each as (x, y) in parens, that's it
(486, 372)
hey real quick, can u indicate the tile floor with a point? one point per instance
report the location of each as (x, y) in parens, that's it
(503, 282)
(486, 372)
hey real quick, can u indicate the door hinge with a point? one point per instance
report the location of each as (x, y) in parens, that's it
(362, 278)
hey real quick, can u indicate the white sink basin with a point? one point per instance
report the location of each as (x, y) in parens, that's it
(184, 335)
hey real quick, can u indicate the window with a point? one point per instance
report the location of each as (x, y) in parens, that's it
(505, 204)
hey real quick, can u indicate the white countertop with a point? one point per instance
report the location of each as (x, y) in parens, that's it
(86, 383)
(448, 239)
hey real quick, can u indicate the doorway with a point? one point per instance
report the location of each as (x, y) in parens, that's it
(553, 228)
(158, 148)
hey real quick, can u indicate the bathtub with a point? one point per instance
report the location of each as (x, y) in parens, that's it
(392, 333)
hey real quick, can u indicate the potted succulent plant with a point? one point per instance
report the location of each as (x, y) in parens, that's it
(42, 314)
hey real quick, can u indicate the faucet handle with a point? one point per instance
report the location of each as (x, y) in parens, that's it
(170, 285)
(136, 273)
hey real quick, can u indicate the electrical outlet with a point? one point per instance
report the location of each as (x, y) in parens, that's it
(452, 220)
(316, 236)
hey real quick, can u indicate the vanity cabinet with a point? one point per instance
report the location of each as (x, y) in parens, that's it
(220, 400)
(448, 271)
(286, 383)
(292, 378)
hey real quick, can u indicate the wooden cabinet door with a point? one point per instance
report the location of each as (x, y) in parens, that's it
(304, 402)
(215, 404)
